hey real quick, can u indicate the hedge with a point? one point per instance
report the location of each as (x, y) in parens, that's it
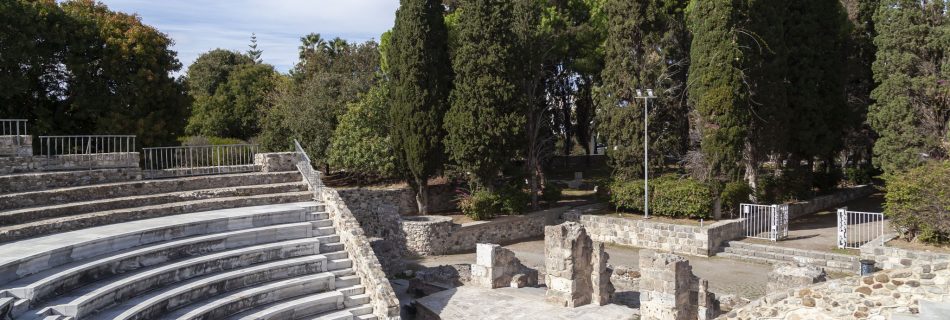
(670, 196)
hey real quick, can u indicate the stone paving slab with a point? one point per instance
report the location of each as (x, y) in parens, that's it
(471, 303)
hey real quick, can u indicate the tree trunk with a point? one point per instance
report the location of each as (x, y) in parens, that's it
(751, 169)
(717, 207)
(422, 197)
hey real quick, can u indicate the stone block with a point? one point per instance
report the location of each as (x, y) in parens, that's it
(785, 277)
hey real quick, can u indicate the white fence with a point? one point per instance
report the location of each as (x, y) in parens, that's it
(13, 127)
(306, 169)
(764, 221)
(858, 228)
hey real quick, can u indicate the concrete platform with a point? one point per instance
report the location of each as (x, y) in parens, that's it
(466, 302)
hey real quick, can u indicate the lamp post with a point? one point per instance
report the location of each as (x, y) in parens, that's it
(646, 138)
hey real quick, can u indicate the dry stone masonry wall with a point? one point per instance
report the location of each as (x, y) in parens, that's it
(276, 161)
(670, 291)
(680, 239)
(878, 296)
(575, 267)
(497, 267)
(365, 264)
(18, 146)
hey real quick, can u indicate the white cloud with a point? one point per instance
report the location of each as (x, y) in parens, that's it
(201, 25)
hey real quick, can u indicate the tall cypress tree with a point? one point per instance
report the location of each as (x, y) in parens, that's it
(912, 101)
(766, 70)
(484, 123)
(716, 85)
(815, 33)
(421, 75)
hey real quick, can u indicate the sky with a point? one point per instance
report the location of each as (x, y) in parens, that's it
(198, 26)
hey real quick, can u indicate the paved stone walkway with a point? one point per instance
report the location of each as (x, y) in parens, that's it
(726, 276)
(470, 303)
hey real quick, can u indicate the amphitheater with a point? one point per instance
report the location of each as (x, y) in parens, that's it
(93, 228)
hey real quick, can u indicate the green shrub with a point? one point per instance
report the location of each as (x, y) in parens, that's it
(670, 196)
(513, 200)
(480, 205)
(551, 193)
(857, 176)
(733, 194)
(826, 182)
(627, 194)
(680, 198)
(208, 141)
(918, 202)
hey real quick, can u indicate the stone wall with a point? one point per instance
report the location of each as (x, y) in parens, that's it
(18, 146)
(670, 291)
(438, 235)
(276, 161)
(895, 258)
(839, 198)
(879, 296)
(365, 264)
(10, 165)
(50, 180)
(681, 239)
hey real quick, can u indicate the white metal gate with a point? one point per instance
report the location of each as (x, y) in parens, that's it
(764, 221)
(858, 228)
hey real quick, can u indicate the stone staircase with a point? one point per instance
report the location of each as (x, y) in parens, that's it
(236, 246)
(280, 261)
(768, 254)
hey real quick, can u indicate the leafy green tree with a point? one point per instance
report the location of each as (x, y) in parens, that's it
(484, 122)
(211, 69)
(421, 80)
(234, 108)
(912, 100)
(308, 105)
(716, 88)
(77, 67)
(361, 142)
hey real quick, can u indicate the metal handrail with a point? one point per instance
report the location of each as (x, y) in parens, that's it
(306, 169)
(198, 160)
(86, 144)
(12, 127)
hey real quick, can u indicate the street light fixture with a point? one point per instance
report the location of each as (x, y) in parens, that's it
(646, 172)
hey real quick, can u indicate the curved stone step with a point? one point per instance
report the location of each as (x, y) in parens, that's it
(297, 308)
(26, 215)
(120, 290)
(71, 276)
(358, 312)
(89, 191)
(88, 220)
(160, 302)
(27, 257)
(317, 291)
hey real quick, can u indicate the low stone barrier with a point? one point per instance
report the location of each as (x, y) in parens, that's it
(438, 235)
(894, 258)
(18, 146)
(681, 239)
(49, 180)
(276, 161)
(834, 200)
(770, 254)
(365, 264)
(10, 165)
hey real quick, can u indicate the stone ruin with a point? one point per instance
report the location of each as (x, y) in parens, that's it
(670, 291)
(576, 267)
(786, 276)
(497, 267)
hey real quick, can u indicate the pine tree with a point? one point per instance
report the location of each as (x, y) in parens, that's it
(716, 85)
(253, 51)
(484, 122)
(912, 101)
(421, 80)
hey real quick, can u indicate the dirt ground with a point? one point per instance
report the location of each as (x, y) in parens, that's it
(725, 276)
(818, 231)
